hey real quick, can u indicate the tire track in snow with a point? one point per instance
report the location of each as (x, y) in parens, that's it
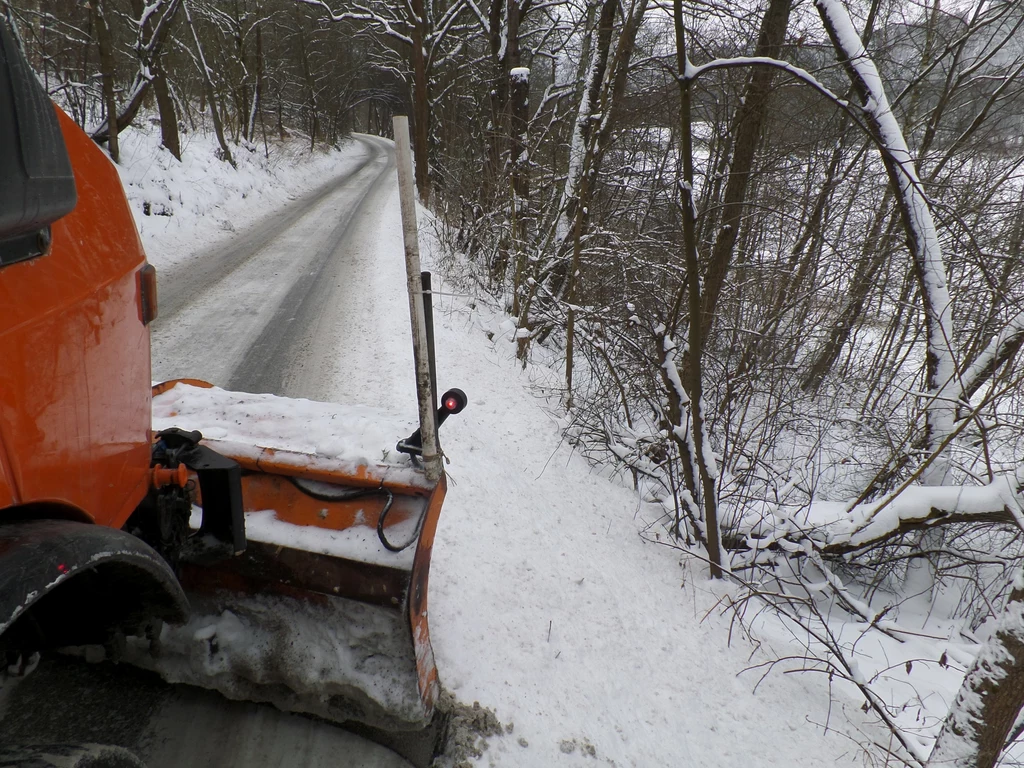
(293, 331)
(222, 321)
(182, 284)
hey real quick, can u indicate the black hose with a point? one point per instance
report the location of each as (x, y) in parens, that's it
(341, 493)
(323, 491)
(380, 527)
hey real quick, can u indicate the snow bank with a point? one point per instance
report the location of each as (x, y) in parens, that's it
(594, 645)
(182, 206)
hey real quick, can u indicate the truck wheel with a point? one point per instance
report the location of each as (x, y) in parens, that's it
(67, 756)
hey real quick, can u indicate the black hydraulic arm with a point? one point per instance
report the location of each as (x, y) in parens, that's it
(220, 483)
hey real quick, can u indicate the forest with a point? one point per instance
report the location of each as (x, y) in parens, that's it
(770, 252)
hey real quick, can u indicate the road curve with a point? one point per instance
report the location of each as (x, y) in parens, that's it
(237, 316)
(180, 285)
(271, 358)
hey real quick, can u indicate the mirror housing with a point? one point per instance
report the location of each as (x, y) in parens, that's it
(38, 184)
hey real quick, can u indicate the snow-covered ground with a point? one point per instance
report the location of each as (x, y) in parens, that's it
(594, 645)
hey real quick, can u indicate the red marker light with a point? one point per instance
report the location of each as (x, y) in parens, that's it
(452, 401)
(62, 568)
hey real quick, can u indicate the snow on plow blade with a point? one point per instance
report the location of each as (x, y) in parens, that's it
(325, 612)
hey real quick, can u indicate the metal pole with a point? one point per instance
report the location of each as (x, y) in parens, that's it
(428, 316)
(407, 197)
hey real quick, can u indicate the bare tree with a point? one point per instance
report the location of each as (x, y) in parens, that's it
(211, 94)
(152, 24)
(108, 65)
(419, 31)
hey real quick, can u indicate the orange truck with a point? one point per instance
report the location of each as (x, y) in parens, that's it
(113, 535)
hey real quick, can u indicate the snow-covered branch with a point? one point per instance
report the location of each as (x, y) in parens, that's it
(830, 528)
(916, 215)
(389, 26)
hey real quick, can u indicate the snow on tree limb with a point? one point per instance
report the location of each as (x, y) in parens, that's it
(362, 13)
(582, 130)
(928, 504)
(693, 71)
(915, 212)
(832, 529)
(1000, 348)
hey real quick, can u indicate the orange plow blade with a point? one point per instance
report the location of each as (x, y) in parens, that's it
(325, 611)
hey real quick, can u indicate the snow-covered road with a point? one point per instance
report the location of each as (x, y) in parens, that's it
(246, 315)
(171, 726)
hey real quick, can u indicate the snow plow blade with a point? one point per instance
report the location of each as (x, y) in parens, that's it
(325, 611)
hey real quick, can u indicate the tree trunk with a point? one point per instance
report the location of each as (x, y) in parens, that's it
(606, 86)
(420, 101)
(747, 126)
(307, 75)
(706, 468)
(498, 93)
(975, 731)
(873, 257)
(916, 217)
(211, 94)
(257, 96)
(569, 219)
(151, 38)
(169, 134)
(108, 64)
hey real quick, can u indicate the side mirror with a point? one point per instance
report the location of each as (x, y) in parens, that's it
(38, 184)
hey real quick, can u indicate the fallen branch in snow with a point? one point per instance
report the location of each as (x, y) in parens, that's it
(976, 731)
(826, 528)
(851, 604)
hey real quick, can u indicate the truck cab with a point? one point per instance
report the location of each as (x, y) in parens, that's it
(75, 443)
